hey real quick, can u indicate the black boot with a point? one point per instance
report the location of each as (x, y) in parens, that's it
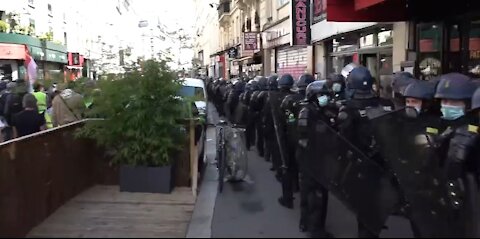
(286, 203)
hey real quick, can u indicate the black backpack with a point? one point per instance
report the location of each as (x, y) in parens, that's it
(14, 106)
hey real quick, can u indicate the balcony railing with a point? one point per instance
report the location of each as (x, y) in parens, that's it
(223, 8)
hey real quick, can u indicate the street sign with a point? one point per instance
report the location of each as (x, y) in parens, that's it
(250, 41)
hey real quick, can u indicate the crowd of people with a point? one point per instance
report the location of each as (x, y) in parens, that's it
(23, 113)
(410, 154)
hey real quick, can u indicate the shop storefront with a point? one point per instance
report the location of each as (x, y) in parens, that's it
(449, 46)
(50, 57)
(11, 58)
(74, 69)
(371, 47)
(291, 60)
(286, 43)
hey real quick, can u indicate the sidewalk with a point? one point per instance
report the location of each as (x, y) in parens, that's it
(105, 212)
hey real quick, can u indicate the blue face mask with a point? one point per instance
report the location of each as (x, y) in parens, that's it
(452, 112)
(337, 87)
(323, 100)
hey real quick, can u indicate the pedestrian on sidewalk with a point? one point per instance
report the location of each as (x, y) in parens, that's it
(10, 104)
(28, 121)
(68, 106)
(43, 103)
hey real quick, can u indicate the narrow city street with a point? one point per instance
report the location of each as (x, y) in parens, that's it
(250, 209)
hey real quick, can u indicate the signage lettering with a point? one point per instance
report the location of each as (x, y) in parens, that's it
(301, 22)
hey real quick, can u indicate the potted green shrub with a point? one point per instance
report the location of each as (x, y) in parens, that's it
(141, 126)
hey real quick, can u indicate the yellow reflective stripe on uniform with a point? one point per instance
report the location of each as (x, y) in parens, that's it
(473, 129)
(431, 130)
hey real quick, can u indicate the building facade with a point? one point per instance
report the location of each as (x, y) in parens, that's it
(379, 46)
(206, 37)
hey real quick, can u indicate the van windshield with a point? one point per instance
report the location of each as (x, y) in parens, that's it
(195, 92)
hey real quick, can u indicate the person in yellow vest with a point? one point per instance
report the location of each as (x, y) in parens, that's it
(42, 103)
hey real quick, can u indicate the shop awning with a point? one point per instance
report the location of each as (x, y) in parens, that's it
(396, 10)
(366, 10)
(242, 59)
(362, 4)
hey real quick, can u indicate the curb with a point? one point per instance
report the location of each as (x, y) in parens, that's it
(200, 225)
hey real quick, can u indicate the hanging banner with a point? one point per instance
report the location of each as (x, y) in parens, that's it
(300, 19)
(319, 10)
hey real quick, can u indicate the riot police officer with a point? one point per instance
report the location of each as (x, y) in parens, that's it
(220, 90)
(354, 124)
(257, 102)
(455, 91)
(291, 107)
(400, 81)
(250, 89)
(313, 196)
(419, 98)
(233, 99)
(336, 83)
(458, 144)
(271, 151)
(279, 145)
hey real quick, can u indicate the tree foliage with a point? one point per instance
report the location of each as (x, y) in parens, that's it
(141, 116)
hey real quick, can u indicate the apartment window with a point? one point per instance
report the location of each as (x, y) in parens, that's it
(65, 38)
(50, 10)
(282, 2)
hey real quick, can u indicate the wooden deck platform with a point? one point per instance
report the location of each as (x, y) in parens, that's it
(103, 211)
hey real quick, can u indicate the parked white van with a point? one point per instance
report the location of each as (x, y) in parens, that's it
(196, 88)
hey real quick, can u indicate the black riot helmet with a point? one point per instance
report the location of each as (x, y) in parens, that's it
(239, 86)
(253, 85)
(423, 90)
(316, 88)
(304, 81)
(262, 82)
(272, 82)
(476, 100)
(455, 86)
(285, 82)
(400, 81)
(360, 80)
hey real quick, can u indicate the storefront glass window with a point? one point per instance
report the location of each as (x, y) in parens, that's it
(6, 72)
(346, 43)
(454, 54)
(474, 48)
(385, 38)
(385, 75)
(430, 45)
(338, 62)
(367, 41)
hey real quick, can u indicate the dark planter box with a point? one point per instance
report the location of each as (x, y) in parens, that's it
(146, 179)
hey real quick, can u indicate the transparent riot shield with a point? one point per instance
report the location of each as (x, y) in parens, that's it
(436, 206)
(359, 182)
